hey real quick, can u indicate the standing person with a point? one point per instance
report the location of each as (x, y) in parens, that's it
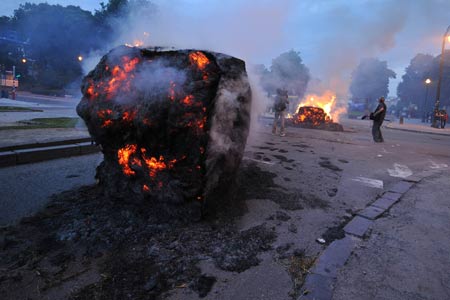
(280, 106)
(444, 118)
(378, 118)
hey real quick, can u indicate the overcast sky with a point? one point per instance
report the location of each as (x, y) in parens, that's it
(331, 35)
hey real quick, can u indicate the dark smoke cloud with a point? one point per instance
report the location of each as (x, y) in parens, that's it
(333, 36)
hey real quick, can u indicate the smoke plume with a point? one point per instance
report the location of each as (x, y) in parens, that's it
(332, 36)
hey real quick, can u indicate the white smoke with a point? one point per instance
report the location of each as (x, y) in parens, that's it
(332, 36)
(244, 29)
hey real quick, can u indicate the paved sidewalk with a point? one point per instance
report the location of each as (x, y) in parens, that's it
(406, 255)
(396, 248)
(20, 146)
(415, 125)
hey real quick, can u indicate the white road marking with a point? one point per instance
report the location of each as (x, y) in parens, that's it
(375, 183)
(437, 166)
(399, 170)
(260, 161)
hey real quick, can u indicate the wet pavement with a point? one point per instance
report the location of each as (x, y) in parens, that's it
(395, 247)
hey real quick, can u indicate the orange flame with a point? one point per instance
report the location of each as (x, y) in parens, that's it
(105, 114)
(199, 58)
(90, 91)
(201, 123)
(123, 155)
(154, 165)
(326, 101)
(188, 100)
(198, 124)
(107, 123)
(120, 75)
(128, 116)
(313, 115)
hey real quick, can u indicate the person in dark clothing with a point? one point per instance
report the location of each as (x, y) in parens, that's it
(444, 118)
(280, 106)
(378, 117)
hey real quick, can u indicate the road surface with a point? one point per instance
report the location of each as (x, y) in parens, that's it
(333, 174)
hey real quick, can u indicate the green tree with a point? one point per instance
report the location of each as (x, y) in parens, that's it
(56, 36)
(113, 14)
(412, 88)
(288, 71)
(112, 9)
(370, 80)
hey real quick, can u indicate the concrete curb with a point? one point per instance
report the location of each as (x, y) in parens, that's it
(390, 126)
(319, 283)
(44, 152)
(46, 144)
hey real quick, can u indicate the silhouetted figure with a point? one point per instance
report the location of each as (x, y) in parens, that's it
(280, 106)
(378, 117)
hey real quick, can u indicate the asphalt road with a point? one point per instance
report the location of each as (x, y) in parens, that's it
(48, 100)
(334, 173)
(27, 188)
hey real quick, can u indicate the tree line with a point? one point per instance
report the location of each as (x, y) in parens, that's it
(370, 81)
(46, 43)
(50, 38)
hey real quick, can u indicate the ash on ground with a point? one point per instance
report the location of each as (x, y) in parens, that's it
(86, 246)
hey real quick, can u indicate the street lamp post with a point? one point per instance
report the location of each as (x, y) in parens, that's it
(13, 95)
(425, 108)
(438, 88)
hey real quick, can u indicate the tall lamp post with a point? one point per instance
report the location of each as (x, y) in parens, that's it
(425, 108)
(13, 94)
(438, 88)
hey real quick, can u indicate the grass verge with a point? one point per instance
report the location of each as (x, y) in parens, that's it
(17, 109)
(38, 123)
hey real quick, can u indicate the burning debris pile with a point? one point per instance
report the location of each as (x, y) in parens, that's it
(318, 112)
(172, 124)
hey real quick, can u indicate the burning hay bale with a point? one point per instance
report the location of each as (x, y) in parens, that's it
(318, 112)
(172, 124)
(314, 117)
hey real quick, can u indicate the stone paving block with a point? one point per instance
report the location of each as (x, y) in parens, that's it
(384, 203)
(371, 212)
(45, 153)
(414, 178)
(358, 226)
(334, 257)
(317, 287)
(392, 196)
(401, 187)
